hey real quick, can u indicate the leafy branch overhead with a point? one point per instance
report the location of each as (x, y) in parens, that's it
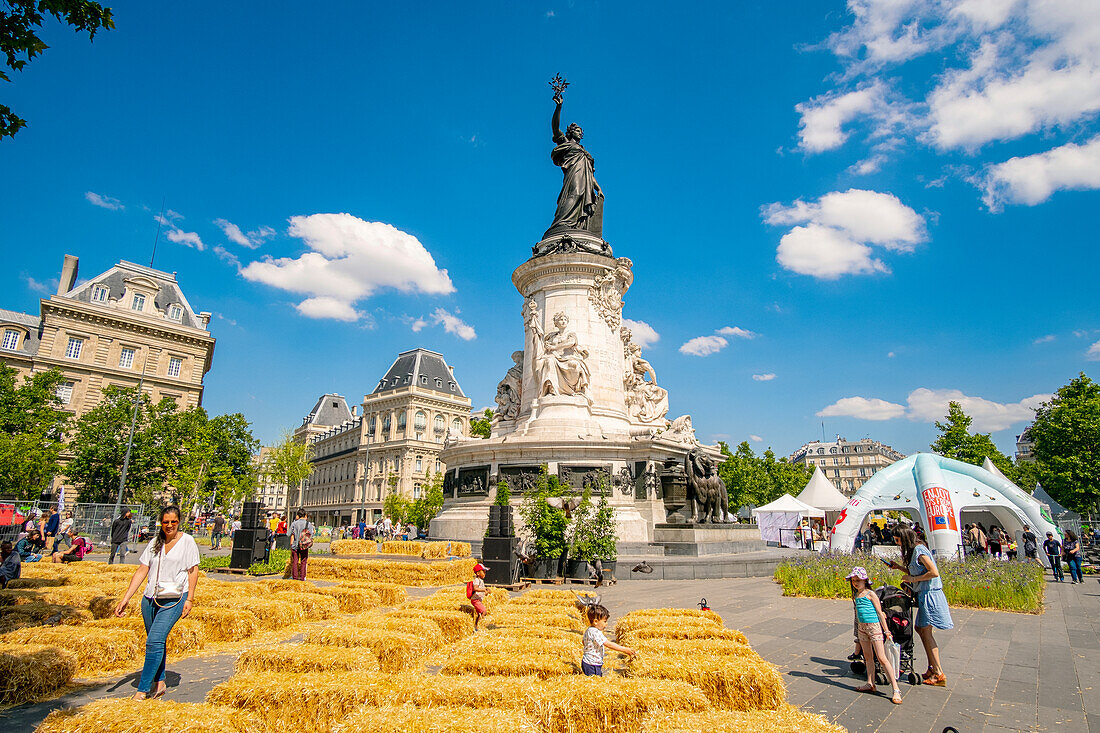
(19, 41)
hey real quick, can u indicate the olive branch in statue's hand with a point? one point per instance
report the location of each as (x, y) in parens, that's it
(559, 85)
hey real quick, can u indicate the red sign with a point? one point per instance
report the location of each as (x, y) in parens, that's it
(938, 507)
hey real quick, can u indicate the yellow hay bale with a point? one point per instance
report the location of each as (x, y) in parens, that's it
(610, 705)
(441, 550)
(548, 593)
(428, 691)
(225, 624)
(19, 597)
(437, 720)
(271, 614)
(77, 596)
(418, 574)
(733, 683)
(288, 585)
(395, 650)
(294, 658)
(352, 600)
(459, 549)
(187, 636)
(710, 631)
(455, 625)
(493, 596)
(631, 622)
(97, 650)
(52, 614)
(353, 547)
(534, 633)
(314, 605)
(391, 594)
(508, 616)
(297, 701)
(123, 715)
(563, 648)
(546, 602)
(529, 664)
(31, 671)
(399, 547)
(104, 606)
(696, 647)
(690, 612)
(785, 719)
(35, 583)
(423, 628)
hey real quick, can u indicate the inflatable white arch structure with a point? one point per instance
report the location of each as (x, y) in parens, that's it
(939, 489)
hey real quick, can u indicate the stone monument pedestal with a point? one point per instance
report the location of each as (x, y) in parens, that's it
(706, 539)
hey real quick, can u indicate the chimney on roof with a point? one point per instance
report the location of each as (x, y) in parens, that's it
(204, 319)
(68, 274)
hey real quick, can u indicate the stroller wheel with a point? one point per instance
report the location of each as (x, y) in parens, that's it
(858, 668)
(913, 679)
(881, 678)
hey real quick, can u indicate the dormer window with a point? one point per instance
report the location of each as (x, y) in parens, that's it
(438, 382)
(138, 303)
(175, 312)
(423, 379)
(452, 386)
(99, 294)
(11, 339)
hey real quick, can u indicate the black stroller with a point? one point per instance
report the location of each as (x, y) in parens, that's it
(897, 605)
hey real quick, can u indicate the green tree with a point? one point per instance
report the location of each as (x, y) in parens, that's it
(291, 463)
(482, 427)
(19, 41)
(956, 441)
(98, 447)
(756, 480)
(423, 510)
(545, 524)
(1066, 433)
(32, 431)
(210, 459)
(395, 506)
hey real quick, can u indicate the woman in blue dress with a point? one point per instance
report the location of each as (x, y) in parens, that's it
(932, 610)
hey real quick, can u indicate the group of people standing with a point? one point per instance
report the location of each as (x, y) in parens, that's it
(1068, 550)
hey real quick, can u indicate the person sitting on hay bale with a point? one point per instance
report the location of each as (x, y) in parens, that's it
(26, 547)
(80, 548)
(9, 563)
(171, 560)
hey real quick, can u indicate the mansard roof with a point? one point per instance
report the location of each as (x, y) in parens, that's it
(168, 290)
(331, 409)
(423, 368)
(33, 324)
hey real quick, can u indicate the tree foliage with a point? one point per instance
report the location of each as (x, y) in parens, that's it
(545, 525)
(395, 506)
(956, 441)
(291, 464)
(421, 511)
(32, 431)
(209, 460)
(19, 41)
(1066, 434)
(756, 480)
(482, 427)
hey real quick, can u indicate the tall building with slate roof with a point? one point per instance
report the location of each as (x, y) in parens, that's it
(111, 329)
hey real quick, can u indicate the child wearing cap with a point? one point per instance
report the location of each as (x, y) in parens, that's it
(872, 631)
(476, 592)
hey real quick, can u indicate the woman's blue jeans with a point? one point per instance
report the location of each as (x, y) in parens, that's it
(1075, 569)
(159, 621)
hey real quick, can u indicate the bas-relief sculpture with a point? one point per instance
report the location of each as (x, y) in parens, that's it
(558, 361)
(645, 401)
(509, 390)
(606, 294)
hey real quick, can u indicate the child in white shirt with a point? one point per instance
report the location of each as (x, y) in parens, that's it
(595, 642)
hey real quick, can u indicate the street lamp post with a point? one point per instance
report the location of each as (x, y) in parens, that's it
(130, 438)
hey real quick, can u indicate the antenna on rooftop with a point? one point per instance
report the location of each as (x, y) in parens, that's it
(160, 221)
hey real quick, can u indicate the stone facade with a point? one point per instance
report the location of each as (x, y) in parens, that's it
(273, 494)
(847, 464)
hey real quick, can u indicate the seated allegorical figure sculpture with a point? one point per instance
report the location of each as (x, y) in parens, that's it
(558, 360)
(508, 391)
(644, 399)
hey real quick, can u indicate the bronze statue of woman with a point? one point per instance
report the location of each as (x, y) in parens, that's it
(580, 203)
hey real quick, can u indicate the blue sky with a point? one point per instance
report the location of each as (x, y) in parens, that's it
(838, 214)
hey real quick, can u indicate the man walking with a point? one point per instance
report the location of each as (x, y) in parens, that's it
(301, 539)
(1053, 548)
(1031, 544)
(217, 529)
(120, 534)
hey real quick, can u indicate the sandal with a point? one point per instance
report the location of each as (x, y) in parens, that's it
(928, 673)
(936, 680)
(160, 692)
(854, 657)
(866, 688)
(896, 699)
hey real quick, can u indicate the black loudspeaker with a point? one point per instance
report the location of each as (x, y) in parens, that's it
(252, 515)
(247, 537)
(499, 572)
(282, 542)
(499, 548)
(241, 558)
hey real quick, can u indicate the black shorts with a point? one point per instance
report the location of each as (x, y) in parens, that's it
(70, 558)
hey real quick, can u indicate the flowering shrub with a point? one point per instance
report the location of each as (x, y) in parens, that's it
(972, 583)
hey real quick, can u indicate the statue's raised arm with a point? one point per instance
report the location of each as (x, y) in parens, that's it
(555, 121)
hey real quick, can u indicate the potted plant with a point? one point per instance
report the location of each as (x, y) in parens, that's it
(579, 537)
(545, 525)
(604, 541)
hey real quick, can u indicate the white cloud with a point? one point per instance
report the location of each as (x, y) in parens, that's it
(703, 345)
(1093, 354)
(1033, 179)
(756, 439)
(837, 232)
(225, 318)
(227, 256)
(419, 325)
(766, 377)
(103, 202)
(890, 355)
(1044, 339)
(187, 239)
(454, 325)
(251, 240)
(40, 287)
(351, 259)
(642, 333)
(324, 306)
(863, 408)
(823, 118)
(736, 332)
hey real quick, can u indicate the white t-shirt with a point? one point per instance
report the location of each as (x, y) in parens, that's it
(173, 566)
(64, 529)
(594, 640)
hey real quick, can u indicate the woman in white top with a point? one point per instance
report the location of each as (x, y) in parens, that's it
(171, 563)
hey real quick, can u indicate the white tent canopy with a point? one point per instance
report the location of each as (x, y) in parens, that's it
(821, 494)
(785, 513)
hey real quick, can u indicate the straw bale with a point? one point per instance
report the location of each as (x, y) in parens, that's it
(400, 547)
(395, 650)
(77, 596)
(711, 631)
(534, 633)
(288, 585)
(31, 671)
(508, 616)
(733, 683)
(528, 664)
(391, 594)
(18, 597)
(437, 720)
(271, 613)
(548, 593)
(566, 649)
(696, 647)
(35, 583)
(225, 624)
(692, 612)
(455, 625)
(96, 650)
(785, 719)
(492, 595)
(352, 600)
(353, 547)
(38, 613)
(435, 550)
(446, 572)
(104, 606)
(426, 629)
(307, 702)
(295, 658)
(631, 622)
(610, 705)
(314, 605)
(122, 715)
(187, 636)
(460, 549)
(546, 602)
(538, 609)
(427, 691)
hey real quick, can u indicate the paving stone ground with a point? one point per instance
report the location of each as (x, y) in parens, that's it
(1006, 672)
